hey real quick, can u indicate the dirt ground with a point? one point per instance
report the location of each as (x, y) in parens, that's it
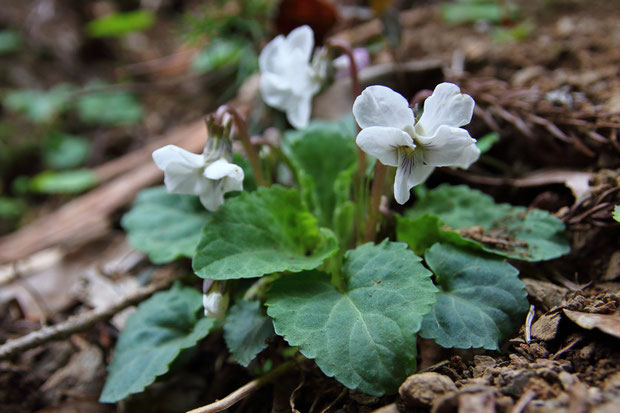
(553, 97)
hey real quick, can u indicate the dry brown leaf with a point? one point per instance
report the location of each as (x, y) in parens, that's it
(607, 323)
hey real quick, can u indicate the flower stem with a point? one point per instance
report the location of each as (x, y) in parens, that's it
(375, 201)
(250, 150)
(345, 47)
(356, 90)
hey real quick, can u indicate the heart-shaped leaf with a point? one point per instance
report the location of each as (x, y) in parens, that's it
(165, 226)
(325, 157)
(153, 337)
(511, 231)
(263, 232)
(247, 330)
(481, 302)
(364, 336)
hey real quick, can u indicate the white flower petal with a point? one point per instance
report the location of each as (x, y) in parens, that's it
(222, 168)
(213, 198)
(182, 170)
(232, 184)
(469, 155)
(381, 106)
(446, 146)
(420, 171)
(298, 111)
(401, 180)
(215, 304)
(275, 90)
(302, 39)
(383, 143)
(269, 58)
(171, 154)
(446, 106)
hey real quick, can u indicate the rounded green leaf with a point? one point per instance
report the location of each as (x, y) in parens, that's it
(263, 232)
(481, 302)
(165, 226)
(153, 337)
(247, 330)
(325, 157)
(364, 336)
(520, 233)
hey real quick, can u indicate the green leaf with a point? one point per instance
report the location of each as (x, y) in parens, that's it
(325, 157)
(421, 233)
(165, 226)
(109, 107)
(473, 11)
(62, 151)
(218, 54)
(263, 232)
(247, 330)
(11, 209)
(153, 337)
(487, 141)
(10, 41)
(67, 182)
(364, 336)
(510, 231)
(616, 213)
(39, 106)
(119, 24)
(481, 302)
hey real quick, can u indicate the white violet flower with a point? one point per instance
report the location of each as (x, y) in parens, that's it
(390, 133)
(209, 175)
(215, 304)
(289, 79)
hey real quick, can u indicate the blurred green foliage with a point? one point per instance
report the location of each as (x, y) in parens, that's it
(248, 19)
(67, 182)
(120, 24)
(10, 41)
(471, 11)
(487, 141)
(63, 151)
(40, 106)
(108, 107)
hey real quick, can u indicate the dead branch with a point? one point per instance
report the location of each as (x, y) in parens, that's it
(249, 388)
(80, 322)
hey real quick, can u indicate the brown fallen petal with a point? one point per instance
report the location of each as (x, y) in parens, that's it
(607, 323)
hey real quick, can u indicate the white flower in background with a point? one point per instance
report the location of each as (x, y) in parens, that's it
(390, 133)
(208, 175)
(215, 304)
(289, 79)
(342, 63)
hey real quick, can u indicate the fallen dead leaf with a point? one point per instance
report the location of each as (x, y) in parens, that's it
(546, 327)
(607, 323)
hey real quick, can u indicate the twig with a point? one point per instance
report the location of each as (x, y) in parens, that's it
(524, 400)
(528, 324)
(79, 322)
(566, 347)
(333, 402)
(248, 388)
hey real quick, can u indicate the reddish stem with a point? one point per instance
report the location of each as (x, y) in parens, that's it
(246, 141)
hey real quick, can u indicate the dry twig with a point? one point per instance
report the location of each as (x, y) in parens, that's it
(79, 322)
(249, 388)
